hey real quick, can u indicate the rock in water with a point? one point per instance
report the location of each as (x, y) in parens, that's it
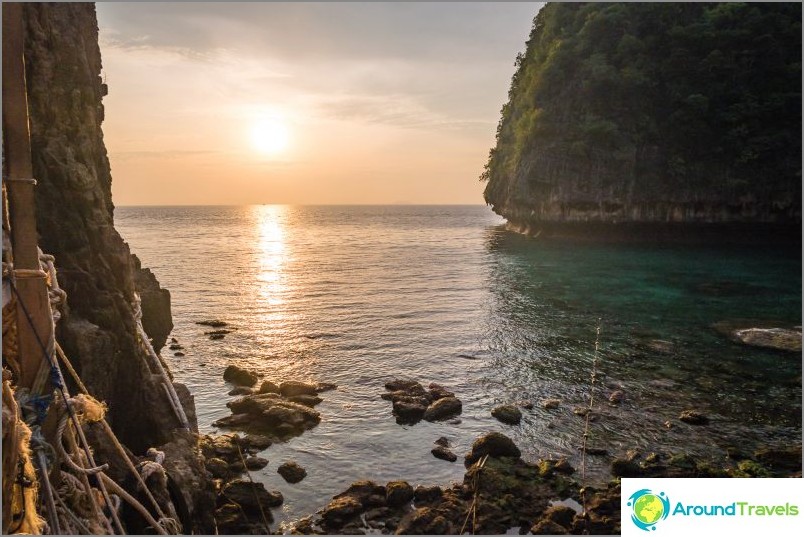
(507, 414)
(443, 409)
(240, 390)
(549, 404)
(444, 453)
(340, 510)
(293, 387)
(291, 472)
(247, 494)
(268, 413)
(782, 339)
(238, 375)
(306, 400)
(693, 417)
(616, 397)
(493, 445)
(256, 463)
(214, 323)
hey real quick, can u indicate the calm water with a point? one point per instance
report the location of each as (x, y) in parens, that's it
(361, 295)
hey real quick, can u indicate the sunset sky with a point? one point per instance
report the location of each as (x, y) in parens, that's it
(308, 103)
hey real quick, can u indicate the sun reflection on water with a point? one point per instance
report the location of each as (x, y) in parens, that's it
(272, 253)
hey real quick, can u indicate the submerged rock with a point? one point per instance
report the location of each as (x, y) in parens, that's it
(325, 387)
(616, 397)
(240, 390)
(216, 336)
(238, 375)
(291, 472)
(507, 414)
(782, 339)
(693, 417)
(550, 404)
(214, 323)
(494, 445)
(306, 400)
(443, 409)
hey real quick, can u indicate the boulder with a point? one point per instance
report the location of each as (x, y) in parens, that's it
(403, 385)
(424, 494)
(494, 445)
(423, 521)
(291, 472)
(219, 468)
(240, 376)
(444, 453)
(293, 387)
(442, 441)
(368, 493)
(340, 510)
(616, 397)
(398, 493)
(443, 409)
(509, 414)
(248, 493)
(256, 463)
(408, 410)
(256, 442)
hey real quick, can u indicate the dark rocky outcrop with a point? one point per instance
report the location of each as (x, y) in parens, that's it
(75, 221)
(269, 414)
(157, 319)
(412, 402)
(624, 114)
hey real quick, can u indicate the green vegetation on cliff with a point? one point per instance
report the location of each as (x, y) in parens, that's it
(653, 112)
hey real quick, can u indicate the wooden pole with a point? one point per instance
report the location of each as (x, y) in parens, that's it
(31, 288)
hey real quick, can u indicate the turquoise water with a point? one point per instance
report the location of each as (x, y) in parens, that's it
(361, 295)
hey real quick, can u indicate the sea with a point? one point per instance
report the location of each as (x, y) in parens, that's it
(360, 295)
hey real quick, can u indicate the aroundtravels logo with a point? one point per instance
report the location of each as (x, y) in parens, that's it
(647, 508)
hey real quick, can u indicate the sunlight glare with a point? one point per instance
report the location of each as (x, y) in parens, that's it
(270, 136)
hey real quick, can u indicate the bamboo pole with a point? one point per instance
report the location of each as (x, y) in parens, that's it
(19, 181)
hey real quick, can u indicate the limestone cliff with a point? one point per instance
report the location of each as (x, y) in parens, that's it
(639, 112)
(75, 220)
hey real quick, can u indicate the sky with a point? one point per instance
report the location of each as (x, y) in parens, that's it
(305, 103)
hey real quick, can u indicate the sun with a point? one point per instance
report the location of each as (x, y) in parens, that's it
(269, 136)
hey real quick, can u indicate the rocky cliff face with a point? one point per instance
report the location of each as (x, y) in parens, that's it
(653, 113)
(75, 222)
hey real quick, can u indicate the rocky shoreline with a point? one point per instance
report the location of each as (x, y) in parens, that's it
(500, 491)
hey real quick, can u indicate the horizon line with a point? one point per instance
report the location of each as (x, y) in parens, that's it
(308, 205)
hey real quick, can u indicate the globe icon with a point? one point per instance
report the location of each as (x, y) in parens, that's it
(648, 509)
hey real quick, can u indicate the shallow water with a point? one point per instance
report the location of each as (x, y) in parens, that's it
(361, 295)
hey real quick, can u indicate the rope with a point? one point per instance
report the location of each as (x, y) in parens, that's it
(586, 424)
(173, 397)
(58, 382)
(66, 456)
(50, 502)
(25, 180)
(108, 430)
(133, 503)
